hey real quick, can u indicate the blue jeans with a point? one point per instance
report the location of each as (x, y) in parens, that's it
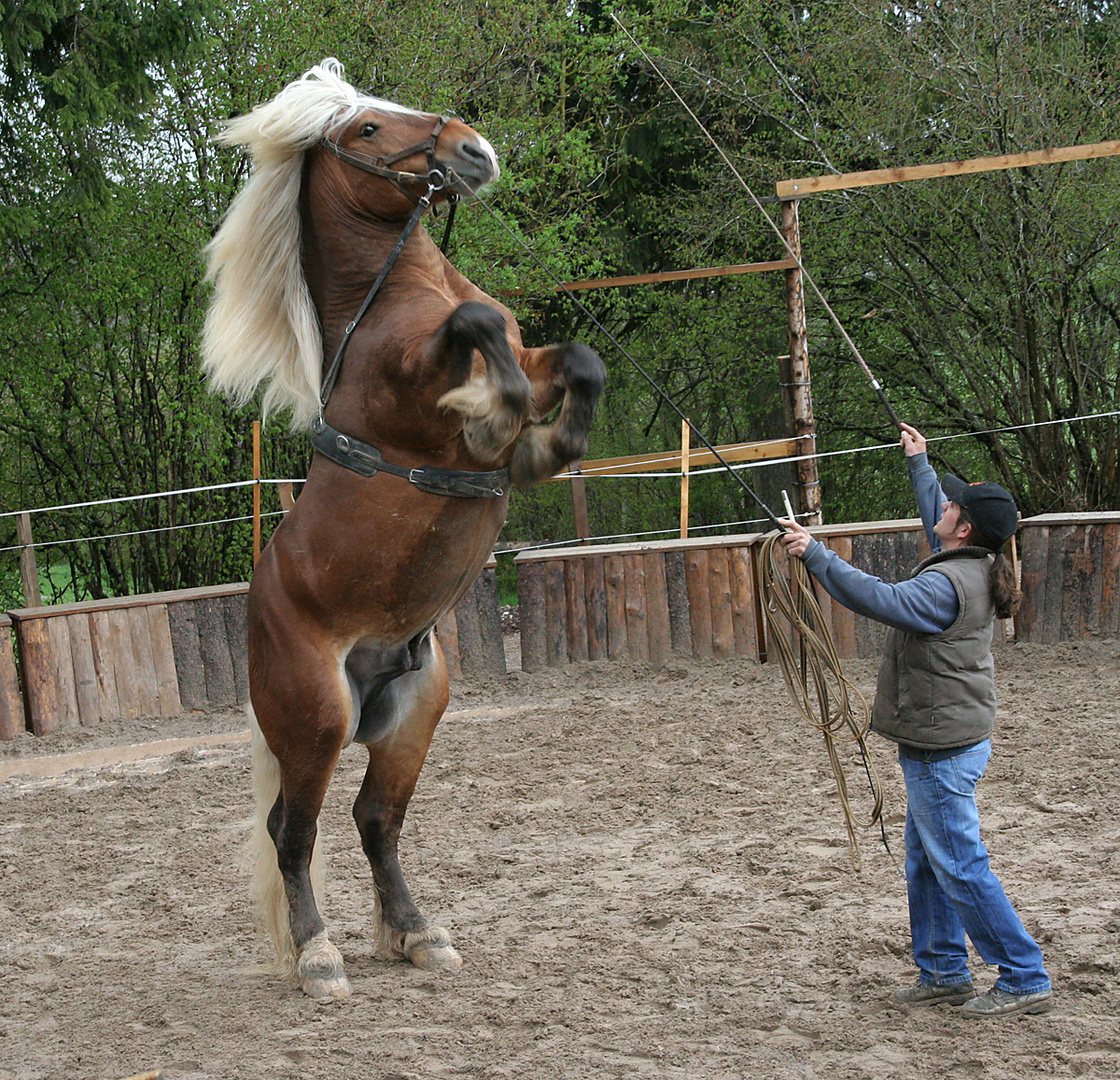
(951, 888)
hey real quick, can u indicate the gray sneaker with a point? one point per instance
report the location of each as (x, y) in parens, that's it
(1001, 1003)
(923, 993)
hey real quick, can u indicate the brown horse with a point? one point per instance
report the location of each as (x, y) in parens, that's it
(424, 406)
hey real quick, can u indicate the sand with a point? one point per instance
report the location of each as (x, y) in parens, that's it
(647, 874)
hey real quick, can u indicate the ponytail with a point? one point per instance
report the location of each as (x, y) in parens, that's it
(1006, 594)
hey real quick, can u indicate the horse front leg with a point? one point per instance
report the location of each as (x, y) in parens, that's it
(576, 374)
(397, 728)
(494, 402)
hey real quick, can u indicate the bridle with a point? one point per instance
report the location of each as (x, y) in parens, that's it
(436, 176)
(344, 449)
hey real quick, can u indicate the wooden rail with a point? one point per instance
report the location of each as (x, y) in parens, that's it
(795, 189)
(670, 460)
(168, 653)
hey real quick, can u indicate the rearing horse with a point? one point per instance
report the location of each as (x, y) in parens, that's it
(423, 405)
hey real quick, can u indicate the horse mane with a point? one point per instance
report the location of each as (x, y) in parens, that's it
(261, 327)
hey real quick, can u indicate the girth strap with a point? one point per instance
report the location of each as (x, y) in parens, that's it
(366, 460)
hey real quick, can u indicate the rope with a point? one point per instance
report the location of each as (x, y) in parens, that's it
(814, 677)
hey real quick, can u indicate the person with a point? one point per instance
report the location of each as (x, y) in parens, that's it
(935, 697)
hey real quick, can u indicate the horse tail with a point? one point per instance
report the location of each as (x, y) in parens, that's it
(270, 901)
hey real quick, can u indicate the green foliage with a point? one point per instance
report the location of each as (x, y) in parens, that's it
(982, 302)
(79, 70)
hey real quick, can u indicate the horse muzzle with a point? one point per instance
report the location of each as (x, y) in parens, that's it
(470, 167)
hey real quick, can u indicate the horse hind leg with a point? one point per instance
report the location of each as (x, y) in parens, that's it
(545, 449)
(397, 728)
(306, 957)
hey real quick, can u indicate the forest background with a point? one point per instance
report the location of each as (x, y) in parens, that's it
(987, 305)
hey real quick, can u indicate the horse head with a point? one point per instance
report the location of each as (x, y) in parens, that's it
(376, 158)
(408, 155)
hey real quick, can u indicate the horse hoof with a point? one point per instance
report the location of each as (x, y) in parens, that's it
(324, 989)
(320, 970)
(430, 957)
(430, 950)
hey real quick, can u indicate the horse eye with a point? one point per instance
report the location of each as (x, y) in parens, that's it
(368, 130)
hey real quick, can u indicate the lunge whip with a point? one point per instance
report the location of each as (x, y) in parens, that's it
(875, 384)
(813, 673)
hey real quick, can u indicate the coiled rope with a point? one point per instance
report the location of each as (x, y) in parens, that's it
(822, 694)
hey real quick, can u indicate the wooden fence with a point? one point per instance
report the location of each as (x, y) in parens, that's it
(169, 653)
(700, 598)
(165, 654)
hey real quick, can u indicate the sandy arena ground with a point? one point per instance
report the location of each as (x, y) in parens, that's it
(646, 872)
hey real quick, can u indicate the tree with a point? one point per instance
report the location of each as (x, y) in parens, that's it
(983, 302)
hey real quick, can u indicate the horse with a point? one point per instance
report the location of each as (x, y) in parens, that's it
(424, 408)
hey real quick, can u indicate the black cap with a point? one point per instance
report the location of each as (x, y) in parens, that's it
(990, 507)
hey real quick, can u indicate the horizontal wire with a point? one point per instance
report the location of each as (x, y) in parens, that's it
(141, 532)
(663, 475)
(151, 495)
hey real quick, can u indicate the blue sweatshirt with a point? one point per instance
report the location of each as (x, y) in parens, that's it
(926, 604)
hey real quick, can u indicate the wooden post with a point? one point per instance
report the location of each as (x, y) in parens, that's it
(28, 568)
(531, 615)
(798, 381)
(1015, 572)
(579, 502)
(686, 441)
(11, 699)
(256, 491)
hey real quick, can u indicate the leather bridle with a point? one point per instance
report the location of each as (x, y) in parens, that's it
(436, 176)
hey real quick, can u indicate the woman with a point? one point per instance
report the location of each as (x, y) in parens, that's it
(936, 699)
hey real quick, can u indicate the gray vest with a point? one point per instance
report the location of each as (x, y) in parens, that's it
(937, 691)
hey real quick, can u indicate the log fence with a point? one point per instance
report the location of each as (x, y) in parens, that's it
(165, 654)
(701, 597)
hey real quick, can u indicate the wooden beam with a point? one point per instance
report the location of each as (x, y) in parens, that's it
(795, 189)
(667, 275)
(798, 380)
(686, 461)
(28, 568)
(678, 275)
(579, 502)
(670, 460)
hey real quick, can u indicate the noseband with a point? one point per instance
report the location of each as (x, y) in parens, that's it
(343, 449)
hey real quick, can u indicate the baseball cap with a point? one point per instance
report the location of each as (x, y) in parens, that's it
(991, 507)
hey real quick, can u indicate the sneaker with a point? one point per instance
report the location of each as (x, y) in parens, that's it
(923, 993)
(1001, 1003)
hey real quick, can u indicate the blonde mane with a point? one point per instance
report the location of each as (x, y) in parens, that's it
(262, 328)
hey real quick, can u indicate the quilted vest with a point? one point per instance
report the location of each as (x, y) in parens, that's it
(937, 691)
